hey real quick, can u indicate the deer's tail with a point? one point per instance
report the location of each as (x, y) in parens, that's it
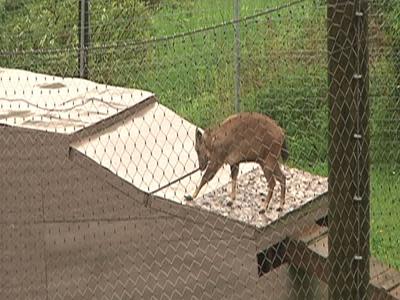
(285, 150)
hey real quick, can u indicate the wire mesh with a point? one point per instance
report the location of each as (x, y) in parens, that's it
(100, 189)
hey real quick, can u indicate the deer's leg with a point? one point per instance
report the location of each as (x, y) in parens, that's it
(269, 165)
(234, 175)
(212, 169)
(271, 183)
(282, 180)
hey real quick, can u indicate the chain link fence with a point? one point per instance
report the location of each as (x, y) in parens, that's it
(113, 114)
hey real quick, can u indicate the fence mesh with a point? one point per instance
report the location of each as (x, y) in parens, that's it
(100, 194)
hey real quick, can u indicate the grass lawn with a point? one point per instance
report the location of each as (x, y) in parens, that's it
(385, 213)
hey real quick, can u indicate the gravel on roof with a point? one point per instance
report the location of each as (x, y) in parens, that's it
(301, 188)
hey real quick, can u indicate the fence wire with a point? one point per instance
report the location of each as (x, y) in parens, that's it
(138, 181)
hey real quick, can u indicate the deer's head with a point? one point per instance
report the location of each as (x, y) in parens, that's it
(203, 154)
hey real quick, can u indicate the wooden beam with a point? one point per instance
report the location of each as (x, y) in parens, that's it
(309, 252)
(107, 123)
(348, 181)
(300, 255)
(272, 258)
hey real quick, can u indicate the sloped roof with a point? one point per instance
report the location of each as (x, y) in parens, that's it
(62, 105)
(151, 149)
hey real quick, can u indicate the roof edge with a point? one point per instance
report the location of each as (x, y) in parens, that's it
(112, 120)
(293, 222)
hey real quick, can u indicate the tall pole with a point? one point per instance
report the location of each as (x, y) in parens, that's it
(348, 216)
(84, 38)
(236, 8)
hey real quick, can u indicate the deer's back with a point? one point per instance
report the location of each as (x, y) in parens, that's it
(246, 137)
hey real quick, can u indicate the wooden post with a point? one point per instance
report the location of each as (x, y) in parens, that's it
(349, 219)
(236, 10)
(84, 38)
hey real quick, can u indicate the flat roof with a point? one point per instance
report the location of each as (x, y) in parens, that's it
(57, 104)
(301, 188)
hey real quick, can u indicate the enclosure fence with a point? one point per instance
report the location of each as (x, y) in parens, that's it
(126, 175)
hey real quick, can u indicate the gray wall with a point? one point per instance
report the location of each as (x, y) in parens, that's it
(71, 230)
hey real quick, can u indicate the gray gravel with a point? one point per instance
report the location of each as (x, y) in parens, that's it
(301, 187)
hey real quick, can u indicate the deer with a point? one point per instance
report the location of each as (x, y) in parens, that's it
(243, 137)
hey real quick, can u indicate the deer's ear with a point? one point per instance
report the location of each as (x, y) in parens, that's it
(199, 135)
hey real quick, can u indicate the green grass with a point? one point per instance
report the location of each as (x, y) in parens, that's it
(283, 74)
(197, 72)
(385, 212)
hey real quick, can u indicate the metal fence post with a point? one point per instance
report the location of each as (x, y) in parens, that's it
(349, 216)
(236, 8)
(84, 38)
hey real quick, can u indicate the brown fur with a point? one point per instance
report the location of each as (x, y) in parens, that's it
(243, 137)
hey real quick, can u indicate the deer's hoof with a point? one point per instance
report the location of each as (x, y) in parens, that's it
(188, 197)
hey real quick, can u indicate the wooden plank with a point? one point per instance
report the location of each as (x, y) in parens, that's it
(97, 127)
(320, 245)
(393, 282)
(381, 274)
(272, 258)
(311, 256)
(313, 233)
(378, 293)
(300, 255)
(277, 284)
(308, 270)
(377, 267)
(292, 224)
(388, 279)
(384, 287)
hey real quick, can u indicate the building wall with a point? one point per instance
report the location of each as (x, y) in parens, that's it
(71, 230)
(154, 259)
(22, 244)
